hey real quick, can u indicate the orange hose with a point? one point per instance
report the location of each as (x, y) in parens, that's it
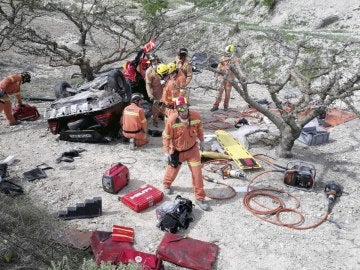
(281, 208)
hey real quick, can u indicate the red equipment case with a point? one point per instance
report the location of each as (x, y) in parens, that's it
(25, 112)
(142, 198)
(115, 178)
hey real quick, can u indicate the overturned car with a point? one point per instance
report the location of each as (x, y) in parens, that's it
(92, 111)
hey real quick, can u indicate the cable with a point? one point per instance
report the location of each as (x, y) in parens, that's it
(257, 156)
(208, 179)
(265, 215)
(232, 190)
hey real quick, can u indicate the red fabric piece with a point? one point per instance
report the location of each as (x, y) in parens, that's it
(106, 250)
(129, 71)
(25, 112)
(150, 45)
(248, 162)
(122, 234)
(146, 260)
(187, 252)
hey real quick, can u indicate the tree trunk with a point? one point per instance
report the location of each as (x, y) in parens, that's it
(86, 69)
(288, 136)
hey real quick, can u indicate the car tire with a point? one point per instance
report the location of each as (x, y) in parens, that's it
(60, 89)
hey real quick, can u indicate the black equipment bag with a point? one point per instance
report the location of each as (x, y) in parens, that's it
(179, 218)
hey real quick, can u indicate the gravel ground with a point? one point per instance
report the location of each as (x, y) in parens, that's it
(245, 241)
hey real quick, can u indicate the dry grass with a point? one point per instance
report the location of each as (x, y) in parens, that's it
(25, 237)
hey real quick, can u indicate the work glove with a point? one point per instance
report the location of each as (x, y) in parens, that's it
(202, 146)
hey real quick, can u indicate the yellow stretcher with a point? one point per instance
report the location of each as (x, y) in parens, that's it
(214, 155)
(243, 159)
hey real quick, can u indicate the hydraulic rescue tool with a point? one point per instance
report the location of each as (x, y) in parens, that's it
(229, 171)
(300, 174)
(332, 191)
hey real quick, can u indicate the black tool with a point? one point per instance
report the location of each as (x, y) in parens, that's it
(300, 174)
(332, 191)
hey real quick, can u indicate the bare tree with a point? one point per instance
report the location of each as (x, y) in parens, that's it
(105, 32)
(13, 16)
(317, 73)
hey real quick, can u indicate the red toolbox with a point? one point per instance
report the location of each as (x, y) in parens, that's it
(115, 178)
(142, 198)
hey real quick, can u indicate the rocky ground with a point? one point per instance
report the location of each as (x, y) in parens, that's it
(245, 241)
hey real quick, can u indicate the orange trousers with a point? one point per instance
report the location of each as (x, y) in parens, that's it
(227, 89)
(156, 111)
(6, 107)
(193, 159)
(140, 138)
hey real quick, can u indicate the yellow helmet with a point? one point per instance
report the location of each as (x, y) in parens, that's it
(230, 48)
(162, 69)
(172, 67)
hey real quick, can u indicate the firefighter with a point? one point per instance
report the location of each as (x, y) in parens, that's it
(180, 135)
(183, 64)
(179, 78)
(154, 88)
(173, 88)
(8, 86)
(163, 71)
(134, 124)
(226, 86)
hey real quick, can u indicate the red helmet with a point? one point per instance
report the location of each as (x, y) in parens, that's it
(180, 101)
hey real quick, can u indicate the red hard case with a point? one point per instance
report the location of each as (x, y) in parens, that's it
(142, 198)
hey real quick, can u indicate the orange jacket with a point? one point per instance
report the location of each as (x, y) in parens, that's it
(11, 85)
(186, 68)
(172, 88)
(224, 66)
(181, 136)
(133, 119)
(154, 88)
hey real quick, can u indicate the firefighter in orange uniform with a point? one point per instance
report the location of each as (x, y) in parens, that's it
(226, 85)
(182, 130)
(154, 88)
(173, 88)
(11, 86)
(134, 124)
(183, 64)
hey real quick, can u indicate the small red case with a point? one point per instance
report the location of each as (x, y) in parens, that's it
(122, 234)
(142, 198)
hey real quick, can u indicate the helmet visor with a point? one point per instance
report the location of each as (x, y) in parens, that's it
(182, 108)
